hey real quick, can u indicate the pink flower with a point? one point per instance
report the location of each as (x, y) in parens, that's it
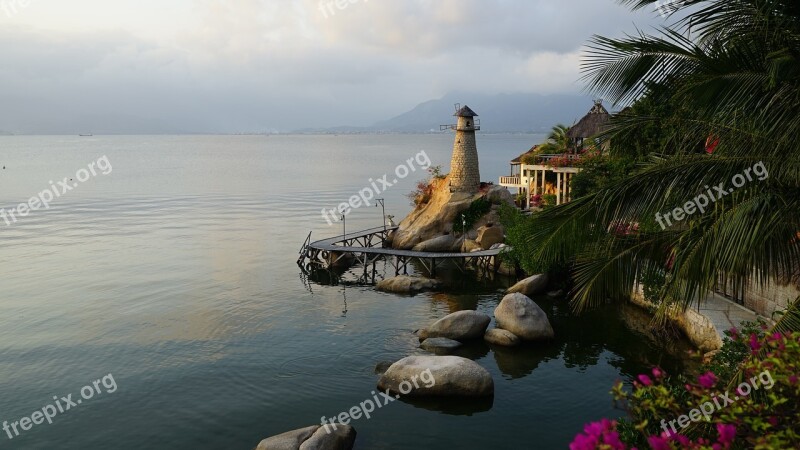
(773, 421)
(645, 380)
(734, 333)
(754, 344)
(612, 438)
(793, 379)
(658, 443)
(584, 442)
(658, 373)
(708, 381)
(681, 439)
(597, 433)
(727, 433)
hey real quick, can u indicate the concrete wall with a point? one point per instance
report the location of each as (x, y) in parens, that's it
(765, 300)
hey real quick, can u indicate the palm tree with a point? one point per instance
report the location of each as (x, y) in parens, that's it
(557, 141)
(731, 68)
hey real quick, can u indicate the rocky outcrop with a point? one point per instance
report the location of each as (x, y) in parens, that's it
(407, 285)
(500, 337)
(316, 437)
(460, 326)
(440, 346)
(535, 285)
(440, 244)
(436, 217)
(521, 316)
(437, 376)
(489, 235)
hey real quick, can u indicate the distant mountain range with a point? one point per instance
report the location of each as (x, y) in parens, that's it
(500, 113)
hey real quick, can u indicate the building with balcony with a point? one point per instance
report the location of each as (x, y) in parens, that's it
(535, 174)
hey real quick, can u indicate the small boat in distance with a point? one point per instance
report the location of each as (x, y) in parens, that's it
(85, 135)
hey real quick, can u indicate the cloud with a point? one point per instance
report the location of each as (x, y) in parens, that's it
(254, 65)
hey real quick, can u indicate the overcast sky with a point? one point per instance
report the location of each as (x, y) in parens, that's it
(259, 65)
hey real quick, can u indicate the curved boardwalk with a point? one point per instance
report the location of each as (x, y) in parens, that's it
(367, 246)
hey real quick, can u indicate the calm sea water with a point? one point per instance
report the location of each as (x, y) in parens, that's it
(176, 274)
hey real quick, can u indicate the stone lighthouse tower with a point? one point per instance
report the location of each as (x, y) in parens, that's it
(465, 175)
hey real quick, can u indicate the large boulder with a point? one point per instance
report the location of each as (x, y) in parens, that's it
(440, 346)
(407, 285)
(489, 235)
(331, 437)
(530, 286)
(521, 316)
(500, 337)
(441, 244)
(291, 440)
(499, 195)
(316, 437)
(460, 326)
(437, 376)
(469, 245)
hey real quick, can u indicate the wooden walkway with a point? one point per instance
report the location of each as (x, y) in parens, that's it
(367, 246)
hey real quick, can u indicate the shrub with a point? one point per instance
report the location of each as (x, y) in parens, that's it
(763, 416)
(422, 194)
(472, 215)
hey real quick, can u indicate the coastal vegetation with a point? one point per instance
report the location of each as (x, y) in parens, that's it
(708, 98)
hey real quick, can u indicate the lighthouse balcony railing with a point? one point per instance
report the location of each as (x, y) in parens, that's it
(476, 126)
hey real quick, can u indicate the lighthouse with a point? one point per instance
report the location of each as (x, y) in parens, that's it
(465, 173)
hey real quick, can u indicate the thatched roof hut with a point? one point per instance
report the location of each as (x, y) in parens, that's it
(521, 158)
(592, 124)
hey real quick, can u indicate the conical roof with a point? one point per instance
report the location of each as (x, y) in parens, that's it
(465, 111)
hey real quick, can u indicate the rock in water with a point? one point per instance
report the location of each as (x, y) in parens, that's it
(382, 367)
(288, 441)
(460, 326)
(490, 235)
(440, 346)
(338, 437)
(407, 285)
(534, 285)
(521, 316)
(449, 376)
(504, 338)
